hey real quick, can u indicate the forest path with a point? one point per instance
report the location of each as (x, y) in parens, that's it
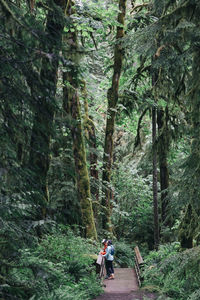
(124, 287)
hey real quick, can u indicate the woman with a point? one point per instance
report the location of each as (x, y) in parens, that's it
(109, 261)
(104, 242)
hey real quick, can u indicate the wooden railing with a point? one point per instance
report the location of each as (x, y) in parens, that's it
(102, 268)
(139, 263)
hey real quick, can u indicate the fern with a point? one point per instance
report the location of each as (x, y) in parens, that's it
(175, 274)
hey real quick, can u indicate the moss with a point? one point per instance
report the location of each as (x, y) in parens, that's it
(39, 158)
(112, 96)
(188, 227)
(72, 106)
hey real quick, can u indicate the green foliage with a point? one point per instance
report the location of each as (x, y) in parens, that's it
(63, 204)
(61, 263)
(155, 257)
(124, 254)
(39, 264)
(173, 273)
(133, 213)
(195, 295)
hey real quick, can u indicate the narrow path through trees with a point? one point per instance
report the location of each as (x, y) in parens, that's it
(124, 287)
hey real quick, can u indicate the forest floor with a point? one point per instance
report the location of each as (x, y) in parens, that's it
(124, 287)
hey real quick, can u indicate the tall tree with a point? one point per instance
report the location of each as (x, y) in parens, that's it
(90, 133)
(112, 96)
(176, 19)
(163, 149)
(72, 107)
(155, 180)
(189, 225)
(154, 151)
(43, 91)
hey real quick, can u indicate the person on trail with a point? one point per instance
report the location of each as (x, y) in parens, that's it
(109, 261)
(104, 242)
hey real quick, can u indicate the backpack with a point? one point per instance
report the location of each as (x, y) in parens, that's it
(112, 251)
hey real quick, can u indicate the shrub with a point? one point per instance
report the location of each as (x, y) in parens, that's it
(124, 254)
(132, 213)
(173, 273)
(59, 267)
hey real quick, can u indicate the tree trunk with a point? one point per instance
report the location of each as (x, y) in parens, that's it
(163, 148)
(112, 96)
(44, 93)
(91, 137)
(71, 105)
(155, 189)
(189, 226)
(137, 138)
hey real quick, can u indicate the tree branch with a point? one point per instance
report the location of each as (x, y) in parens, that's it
(139, 6)
(137, 139)
(7, 8)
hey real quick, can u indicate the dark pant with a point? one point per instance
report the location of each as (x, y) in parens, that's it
(109, 267)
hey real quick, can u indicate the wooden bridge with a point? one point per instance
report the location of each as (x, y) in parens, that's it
(126, 285)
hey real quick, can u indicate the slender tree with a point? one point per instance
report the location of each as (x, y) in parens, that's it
(155, 175)
(155, 180)
(163, 149)
(90, 133)
(112, 96)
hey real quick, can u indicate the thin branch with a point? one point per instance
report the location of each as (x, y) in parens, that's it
(137, 139)
(40, 4)
(140, 6)
(6, 6)
(93, 39)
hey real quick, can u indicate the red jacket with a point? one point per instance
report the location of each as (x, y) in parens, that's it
(103, 252)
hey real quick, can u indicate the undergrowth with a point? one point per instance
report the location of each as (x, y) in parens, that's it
(124, 254)
(61, 266)
(174, 273)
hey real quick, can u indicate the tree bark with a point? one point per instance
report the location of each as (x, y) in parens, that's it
(163, 148)
(112, 96)
(155, 188)
(91, 137)
(189, 226)
(137, 138)
(44, 93)
(71, 105)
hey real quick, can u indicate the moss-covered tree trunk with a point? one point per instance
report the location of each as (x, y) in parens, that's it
(112, 97)
(44, 91)
(187, 228)
(72, 107)
(90, 134)
(163, 149)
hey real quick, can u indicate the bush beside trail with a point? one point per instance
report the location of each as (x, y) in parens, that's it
(59, 267)
(173, 272)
